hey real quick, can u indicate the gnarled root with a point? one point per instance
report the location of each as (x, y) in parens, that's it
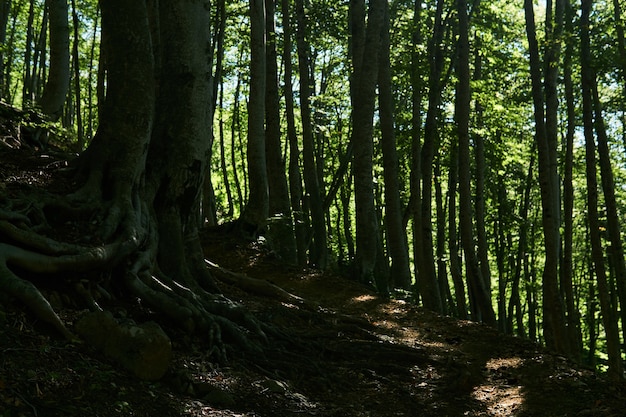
(208, 314)
(34, 262)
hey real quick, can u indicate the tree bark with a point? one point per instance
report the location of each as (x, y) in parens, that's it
(480, 161)
(608, 316)
(621, 42)
(515, 307)
(616, 249)
(365, 80)
(5, 12)
(397, 242)
(57, 86)
(453, 245)
(318, 253)
(554, 319)
(254, 217)
(27, 96)
(427, 281)
(280, 232)
(415, 201)
(295, 179)
(567, 271)
(482, 308)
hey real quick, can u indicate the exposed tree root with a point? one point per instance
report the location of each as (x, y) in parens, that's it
(132, 258)
(257, 286)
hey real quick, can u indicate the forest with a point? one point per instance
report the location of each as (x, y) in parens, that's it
(466, 156)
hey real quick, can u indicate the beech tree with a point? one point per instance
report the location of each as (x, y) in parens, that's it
(140, 177)
(57, 86)
(480, 298)
(256, 212)
(396, 234)
(350, 170)
(365, 80)
(545, 137)
(318, 250)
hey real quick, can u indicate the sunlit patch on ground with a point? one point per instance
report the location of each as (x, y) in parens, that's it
(497, 363)
(505, 398)
(362, 299)
(500, 400)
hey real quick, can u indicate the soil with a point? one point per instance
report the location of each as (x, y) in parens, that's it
(344, 352)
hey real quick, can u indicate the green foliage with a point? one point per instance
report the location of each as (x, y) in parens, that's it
(502, 93)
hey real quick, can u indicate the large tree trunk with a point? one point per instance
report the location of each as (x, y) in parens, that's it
(142, 175)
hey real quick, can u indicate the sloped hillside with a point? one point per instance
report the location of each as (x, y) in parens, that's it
(337, 350)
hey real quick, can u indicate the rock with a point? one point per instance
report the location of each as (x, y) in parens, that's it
(275, 386)
(143, 349)
(220, 398)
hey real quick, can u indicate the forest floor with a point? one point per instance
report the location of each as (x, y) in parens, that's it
(344, 352)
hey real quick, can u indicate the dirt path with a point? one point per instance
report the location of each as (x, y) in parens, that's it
(388, 357)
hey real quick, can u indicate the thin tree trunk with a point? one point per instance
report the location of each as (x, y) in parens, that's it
(222, 143)
(500, 246)
(479, 199)
(453, 245)
(476, 283)
(608, 317)
(26, 91)
(58, 83)
(616, 249)
(555, 332)
(621, 42)
(429, 286)
(234, 131)
(209, 204)
(397, 243)
(365, 79)
(80, 144)
(255, 214)
(92, 53)
(280, 232)
(590, 319)
(38, 74)
(295, 179)
(414, 210)
(10, 96)
(5, 12)
(567, 272)
(515, 307)
(447, 303)
(530, 275)
(319, 251)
